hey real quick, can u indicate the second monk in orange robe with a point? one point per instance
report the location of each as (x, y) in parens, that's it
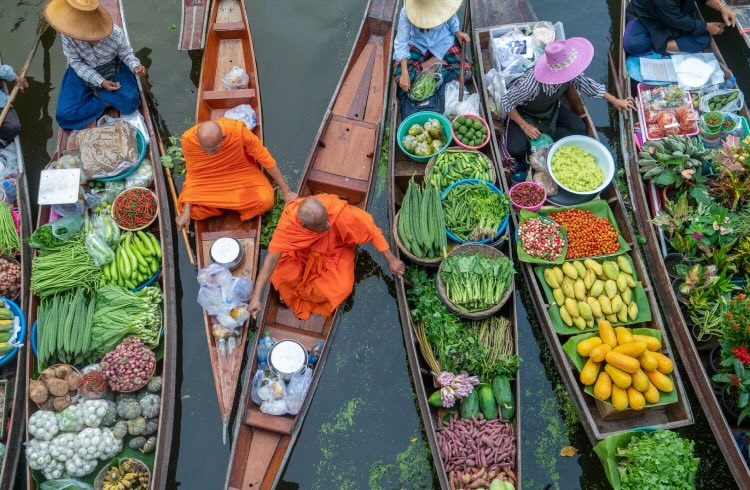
(310, 258)
(224, 162)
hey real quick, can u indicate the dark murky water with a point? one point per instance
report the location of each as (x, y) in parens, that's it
(363, 429)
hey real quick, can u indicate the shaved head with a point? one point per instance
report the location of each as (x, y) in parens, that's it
(210, 136)
(312, 214)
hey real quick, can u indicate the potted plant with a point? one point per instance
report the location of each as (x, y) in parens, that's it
(671, 261)
(735, 394)
(707, 322)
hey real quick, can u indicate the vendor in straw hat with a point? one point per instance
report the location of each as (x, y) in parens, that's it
(533, 100)
(101, 64)
(428, 33)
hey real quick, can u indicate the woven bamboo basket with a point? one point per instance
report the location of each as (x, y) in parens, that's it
(417, 260)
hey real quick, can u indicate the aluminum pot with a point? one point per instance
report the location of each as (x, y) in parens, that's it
(228, 252)
(287, 358)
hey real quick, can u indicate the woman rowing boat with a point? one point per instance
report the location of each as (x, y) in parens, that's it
(428, 33)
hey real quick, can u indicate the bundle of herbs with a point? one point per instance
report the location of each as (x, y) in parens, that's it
(474, 212)
(660, 460)
(475, 282)
(66, 267)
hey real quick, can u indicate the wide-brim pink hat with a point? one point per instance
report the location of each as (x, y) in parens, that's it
(563, 60)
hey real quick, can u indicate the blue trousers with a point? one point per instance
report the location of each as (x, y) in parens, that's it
(79, 104)
(638, 42)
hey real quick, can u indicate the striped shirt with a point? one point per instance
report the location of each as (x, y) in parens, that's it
(525, 88)
(84, 58)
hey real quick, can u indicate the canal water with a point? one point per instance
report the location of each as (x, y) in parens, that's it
(363, 429)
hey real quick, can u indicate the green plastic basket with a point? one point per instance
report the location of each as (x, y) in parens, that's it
(421, 118)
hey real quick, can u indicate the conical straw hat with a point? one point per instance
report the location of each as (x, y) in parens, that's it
(80, 19)
(427, 14)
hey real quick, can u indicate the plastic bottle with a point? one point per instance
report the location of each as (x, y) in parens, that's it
(9, 188)
(730, 83)
(269, 340)
(262, 353)
(315, 355)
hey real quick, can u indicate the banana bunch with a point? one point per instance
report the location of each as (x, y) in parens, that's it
(588, 292)
(674, 153)
(128, 475)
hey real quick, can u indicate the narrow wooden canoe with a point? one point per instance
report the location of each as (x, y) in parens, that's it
(742, 7)
(228, 44)
(193, 22)
(342, 161)
(597, 421)
(15, 370)
(400, 171)
(168, 365)
(643, 206)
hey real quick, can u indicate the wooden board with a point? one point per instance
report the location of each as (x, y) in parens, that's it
(194, 17)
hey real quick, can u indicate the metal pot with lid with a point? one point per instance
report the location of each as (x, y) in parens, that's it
(287, 358)
(228, 252)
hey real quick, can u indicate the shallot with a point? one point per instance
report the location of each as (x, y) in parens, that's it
(129, 366)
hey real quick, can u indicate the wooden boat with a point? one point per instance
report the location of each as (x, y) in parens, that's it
(598, 419)
(342, 161)
(15, 370)
(742, 7)
(228, 44)
(643, 205)
(400, 171)
(193, 22)
(167, 367)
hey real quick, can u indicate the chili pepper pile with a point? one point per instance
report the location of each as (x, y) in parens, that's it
(588, 235)
(134, 208)
(527, 196)
(541, 238)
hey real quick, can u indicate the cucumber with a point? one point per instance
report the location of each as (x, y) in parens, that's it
(470, 406)
(6, 314)
(504, 396)
(435, 399)
(487, 403)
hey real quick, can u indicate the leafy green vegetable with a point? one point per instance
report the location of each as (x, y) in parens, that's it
(121, 313)
(474, 211)
(271, 218)
(660, 460)
(43, 238)
(475, 282)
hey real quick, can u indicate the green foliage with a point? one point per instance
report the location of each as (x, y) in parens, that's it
(174, 160)
(271, 218)
(660, 460)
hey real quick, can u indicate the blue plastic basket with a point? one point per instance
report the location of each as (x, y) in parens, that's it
(503, 223)
(148, 282)
(33, 338)
(12, 306)
(141, 146)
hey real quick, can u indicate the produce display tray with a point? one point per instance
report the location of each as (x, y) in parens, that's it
(639, 296)
(525, 215)
(642, 117)
(570, 349)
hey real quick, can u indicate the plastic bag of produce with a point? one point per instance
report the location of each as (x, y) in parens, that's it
(9, 159)
(454, 107)
(64, 228)
(98, 250)
(109, 150)
(240, 289)
(135, 119)
(427, 83)
(271, 387)
(141, 177)
(257, 379)
(64, 484)
(274, 407)
(211, 300)
(495, 89)
(214, 275)
(236, 79)
(295, 392)
(730, 100)
(244, 113)
(105, 228)
(539, 150)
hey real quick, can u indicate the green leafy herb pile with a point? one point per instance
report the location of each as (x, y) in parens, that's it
(121, 313)
(474, 211)
(661, 460)
(271, 218)
(174, 160)
(475, 282)
(44, 239)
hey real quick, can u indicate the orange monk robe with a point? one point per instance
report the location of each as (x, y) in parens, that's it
(230, 179)
(315, 272)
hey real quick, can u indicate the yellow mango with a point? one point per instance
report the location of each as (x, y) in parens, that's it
(612, 318)
(632, 311)
(611, 269)
(558, 273)
(589, 372)
(607, 334)
(596, 309)
(636, 399)
(648, 361)
(594, 266)
(610, 288)
(585, 311)
(584, 347)
(589, 278)
(580, 269)
(579, 322)
(605, 304)
(622, 315)
(652, 343)
(665, 364)
(551, 279)
(603, 386)
(627, 296)
(629, 280)
(559, 296)
(567, 287)
(616, 304)
(590, 323)
(597, 288)
(566, 317)
(570, 271)
(599, 352)
(572, 307)
(621, 361)
(661, 381)
(619, 398)
(631, 349)
(622, 283)
(651, 394)
(579, 289)
(624, 264)
(624, 335)
(619, 377)
(640, 381)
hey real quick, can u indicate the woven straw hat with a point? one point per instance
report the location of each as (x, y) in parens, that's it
(427, 14)
(80, 19)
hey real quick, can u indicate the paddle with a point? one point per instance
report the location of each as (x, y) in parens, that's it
(146, 86)
(40, 29)
(618, 89)
(463, 54)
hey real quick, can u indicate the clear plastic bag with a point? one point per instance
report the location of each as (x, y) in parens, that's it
(143, 177)
(105, 227)
(295, 392)
(495, 89)
(9, 159)
(257, 379)
(734, 105)
(241, 288)
(244, 113)
(214, 275)
(211, 300)
(64, 228)
(64, 484)
(273, 407)
(271, 387)
(454, 107)
(98, 250)
(108, 150)
(236, 79)
(436, 72)
(135, 119)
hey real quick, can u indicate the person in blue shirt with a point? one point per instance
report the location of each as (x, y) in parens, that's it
(428, 32)
(11, 126)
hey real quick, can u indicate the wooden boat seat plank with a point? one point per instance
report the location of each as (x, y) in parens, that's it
(281, 424)
(407, 168)
(229, 30)
(308, 339)
(375, 107)
(230, 55)
(262, 449)
(353, 189)
(227, 99)
(285, 316)
(352, 98)
(228, 11)
(347, 151)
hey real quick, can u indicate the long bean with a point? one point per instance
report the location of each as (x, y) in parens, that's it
(9, 241)
(63, 269)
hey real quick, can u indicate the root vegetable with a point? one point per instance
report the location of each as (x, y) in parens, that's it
(480, 483)
(57, 387)
(73, 380)
(38, 391)
(62, 371)
(60, 403)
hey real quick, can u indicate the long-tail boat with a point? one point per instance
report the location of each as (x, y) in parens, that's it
(342, 160)
(15, 370)
(193, 22)
(167, 366)
(645, 206)
(228, 44)
(598, 420)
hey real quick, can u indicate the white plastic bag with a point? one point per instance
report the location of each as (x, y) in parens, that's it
(257, 379)
(271, 387)
(453, 108)
(495, 90)
(295, 392)
(236, 79)
(214, 275)
(733, 106)
(240, 289)
(244, 113)
(275, 407)
(141, 177)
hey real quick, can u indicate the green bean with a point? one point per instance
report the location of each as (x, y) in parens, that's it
(9, 241)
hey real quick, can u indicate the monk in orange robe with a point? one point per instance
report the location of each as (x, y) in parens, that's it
(310, 258)
(224, 162)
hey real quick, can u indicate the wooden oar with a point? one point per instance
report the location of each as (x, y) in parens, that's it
(40, 29)
(463, 54)
(170, 181)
